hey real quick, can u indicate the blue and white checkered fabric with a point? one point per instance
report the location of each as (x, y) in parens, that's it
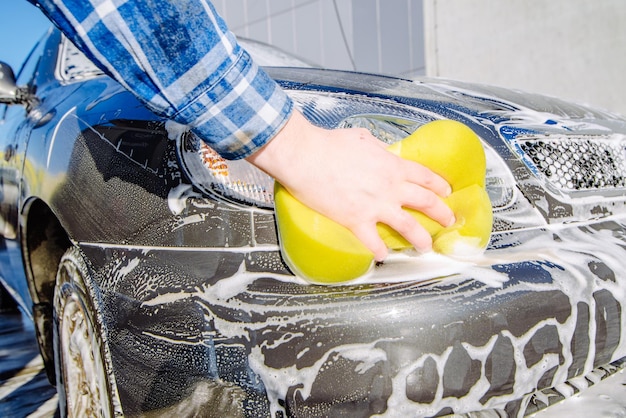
(183, 62)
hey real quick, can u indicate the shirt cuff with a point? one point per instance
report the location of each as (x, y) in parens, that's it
(241, 112)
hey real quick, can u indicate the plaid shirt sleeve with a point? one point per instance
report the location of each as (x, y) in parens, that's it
(182, 61)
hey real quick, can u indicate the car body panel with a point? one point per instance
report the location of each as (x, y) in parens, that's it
(201, 314)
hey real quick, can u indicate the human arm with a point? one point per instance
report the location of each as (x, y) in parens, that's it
(181, 60)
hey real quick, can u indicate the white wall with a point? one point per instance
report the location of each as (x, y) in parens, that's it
(573, 49)
(383, 36)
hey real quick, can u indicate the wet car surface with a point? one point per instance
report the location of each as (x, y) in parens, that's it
(136, 249)
(25, 391)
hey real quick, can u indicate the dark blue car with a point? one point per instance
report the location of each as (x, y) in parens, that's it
(151, 267)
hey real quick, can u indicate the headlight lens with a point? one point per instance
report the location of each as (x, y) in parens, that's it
(233, 180)
(238, 181)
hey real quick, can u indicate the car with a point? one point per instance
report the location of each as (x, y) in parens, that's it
(152, 270)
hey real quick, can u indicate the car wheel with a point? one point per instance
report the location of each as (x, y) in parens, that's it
(81, 354)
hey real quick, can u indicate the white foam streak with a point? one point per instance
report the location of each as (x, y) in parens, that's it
(177, 197)
(276, 381)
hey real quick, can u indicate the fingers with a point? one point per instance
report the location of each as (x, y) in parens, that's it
(414, 172)
(368, 235)
(418, 174)
(410, 229)
(411, 186)
(402, 222)
(425, 201)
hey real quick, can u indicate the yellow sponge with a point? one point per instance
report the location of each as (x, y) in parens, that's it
(322, 251)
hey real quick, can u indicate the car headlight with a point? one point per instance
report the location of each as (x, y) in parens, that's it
(239, 182)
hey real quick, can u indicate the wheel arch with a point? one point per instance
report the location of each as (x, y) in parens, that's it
(44, 241)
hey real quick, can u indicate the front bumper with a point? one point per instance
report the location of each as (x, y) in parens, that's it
(542, 308)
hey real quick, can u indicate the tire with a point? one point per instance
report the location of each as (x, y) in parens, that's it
(84, 380)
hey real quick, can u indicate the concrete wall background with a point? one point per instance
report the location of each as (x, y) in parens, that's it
(383, 36)
(573, 49)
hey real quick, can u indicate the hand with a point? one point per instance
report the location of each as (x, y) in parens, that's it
(349, 176)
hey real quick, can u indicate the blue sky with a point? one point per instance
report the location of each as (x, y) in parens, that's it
(21, 25)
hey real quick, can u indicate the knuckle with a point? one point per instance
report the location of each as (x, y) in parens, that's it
(404, 222)
(430, 179)
(430, 200)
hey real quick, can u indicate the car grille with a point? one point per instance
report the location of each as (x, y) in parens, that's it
(579, 163)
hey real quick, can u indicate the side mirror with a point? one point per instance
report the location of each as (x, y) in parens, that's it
(10, 93)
